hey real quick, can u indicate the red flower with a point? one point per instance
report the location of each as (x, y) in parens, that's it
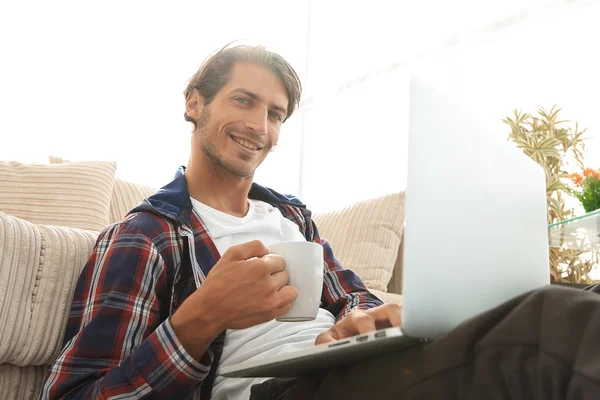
(589, 172)
(576, 178)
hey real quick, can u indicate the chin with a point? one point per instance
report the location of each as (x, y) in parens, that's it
(241, 172)
(242, 169)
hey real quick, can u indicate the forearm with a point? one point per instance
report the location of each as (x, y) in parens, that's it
(343, 291)
(194, 330)
(119, 340)
(159, 368)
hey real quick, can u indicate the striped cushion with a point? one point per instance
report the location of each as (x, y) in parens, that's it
(366, 237)
(125, 195)
(74, 194)
(39, 267)
(21, 383)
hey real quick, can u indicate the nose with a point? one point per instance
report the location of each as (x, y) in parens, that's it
(257, 120)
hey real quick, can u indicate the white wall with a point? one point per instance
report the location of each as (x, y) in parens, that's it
(496, 58)
(104, 80)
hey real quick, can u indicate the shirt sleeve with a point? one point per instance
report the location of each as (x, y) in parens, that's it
(343, 291)
(119, 342)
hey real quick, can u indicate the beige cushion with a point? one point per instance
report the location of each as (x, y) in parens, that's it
(386, 297)
(125, 195)
(21, 383)
(39, 267)
(366, 237)
(75, 194)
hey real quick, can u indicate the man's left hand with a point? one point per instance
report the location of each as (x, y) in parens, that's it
(359, 321)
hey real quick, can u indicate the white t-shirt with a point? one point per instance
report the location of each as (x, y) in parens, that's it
(265, 223)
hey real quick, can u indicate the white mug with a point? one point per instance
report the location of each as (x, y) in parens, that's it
(304, 264)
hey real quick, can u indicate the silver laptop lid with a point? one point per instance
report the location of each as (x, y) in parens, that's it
(476, 227)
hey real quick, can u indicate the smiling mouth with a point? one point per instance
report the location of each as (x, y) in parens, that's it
(246, 144)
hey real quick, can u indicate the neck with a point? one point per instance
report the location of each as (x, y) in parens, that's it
(216, 187)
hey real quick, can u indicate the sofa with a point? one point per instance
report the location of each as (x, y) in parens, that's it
(50, 217)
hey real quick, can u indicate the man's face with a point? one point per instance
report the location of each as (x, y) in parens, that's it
(241, 125)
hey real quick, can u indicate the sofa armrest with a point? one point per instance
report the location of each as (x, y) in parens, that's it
(39, 268)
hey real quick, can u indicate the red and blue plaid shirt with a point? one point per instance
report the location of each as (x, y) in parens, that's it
(119, 342)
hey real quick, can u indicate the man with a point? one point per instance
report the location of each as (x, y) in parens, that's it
(187, 283)
(161, 288)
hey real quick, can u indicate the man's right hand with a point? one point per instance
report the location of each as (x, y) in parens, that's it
(246, 287)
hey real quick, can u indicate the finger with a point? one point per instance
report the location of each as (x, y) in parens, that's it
(268, 264)
(245, 251)
(287, 295)
(274, 262)
(279, 311)
(387, 314)
(362, 323)
(280, 279)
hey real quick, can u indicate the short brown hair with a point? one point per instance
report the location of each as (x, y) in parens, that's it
(215, 71)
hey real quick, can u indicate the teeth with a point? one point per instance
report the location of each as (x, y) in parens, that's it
(246, 144)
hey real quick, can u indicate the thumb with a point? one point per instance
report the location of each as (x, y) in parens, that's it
(325, 337)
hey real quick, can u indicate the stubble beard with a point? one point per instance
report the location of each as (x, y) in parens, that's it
(212, 153)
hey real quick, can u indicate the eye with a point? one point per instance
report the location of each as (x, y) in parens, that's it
(275, 116)
(242, 100)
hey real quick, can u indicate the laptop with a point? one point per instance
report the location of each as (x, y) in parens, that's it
(475, 236)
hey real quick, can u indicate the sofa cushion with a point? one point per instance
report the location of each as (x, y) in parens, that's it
(387, 298)
(125, 195)
(366, 237)
(39, 267)
(18, 383)
(75, 194)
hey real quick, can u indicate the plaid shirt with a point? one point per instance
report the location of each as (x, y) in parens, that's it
(119, 342)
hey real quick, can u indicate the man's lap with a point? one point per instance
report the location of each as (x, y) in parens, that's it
(544, 344)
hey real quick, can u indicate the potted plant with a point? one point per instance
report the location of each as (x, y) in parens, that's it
(556, 146)
(587, 189)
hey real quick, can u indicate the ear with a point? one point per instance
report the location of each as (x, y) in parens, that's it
(194, 104)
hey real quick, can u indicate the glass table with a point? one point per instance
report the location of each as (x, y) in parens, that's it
(582, 233)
